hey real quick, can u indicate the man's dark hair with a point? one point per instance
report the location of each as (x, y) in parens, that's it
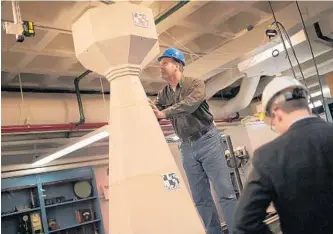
(290, 100)
(181, 67)
(293, 105)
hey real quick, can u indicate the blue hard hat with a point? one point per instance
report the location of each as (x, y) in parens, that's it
(173, 53)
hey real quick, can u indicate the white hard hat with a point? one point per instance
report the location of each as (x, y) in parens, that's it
(277, 85)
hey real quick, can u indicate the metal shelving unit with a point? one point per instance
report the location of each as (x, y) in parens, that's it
(63, 205)
(71, 202)
(20, 212)
(75, 226)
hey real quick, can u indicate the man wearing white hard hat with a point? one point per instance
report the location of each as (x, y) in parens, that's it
(294, 171)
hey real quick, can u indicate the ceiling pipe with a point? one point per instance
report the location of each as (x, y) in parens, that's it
(221, 81)
(262, 84)
(68, 127)
(78, 95)
(243, 98)
(48, 91)
(57, 127)
(50, 127)
(170, 11)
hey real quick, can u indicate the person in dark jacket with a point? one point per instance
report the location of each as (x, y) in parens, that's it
(294, 171)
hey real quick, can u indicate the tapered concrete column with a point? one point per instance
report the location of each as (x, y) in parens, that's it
(147, 193)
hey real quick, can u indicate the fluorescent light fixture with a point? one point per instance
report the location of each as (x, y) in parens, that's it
(315, 94)
(83, 141)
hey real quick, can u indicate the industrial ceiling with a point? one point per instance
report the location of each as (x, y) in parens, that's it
(213, 35)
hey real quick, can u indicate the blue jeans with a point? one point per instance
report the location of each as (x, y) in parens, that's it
(204, 160)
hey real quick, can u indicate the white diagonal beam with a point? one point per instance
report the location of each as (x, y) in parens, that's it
(308, 67)
(180, 14)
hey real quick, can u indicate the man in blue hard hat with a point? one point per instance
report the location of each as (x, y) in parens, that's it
(183, 101)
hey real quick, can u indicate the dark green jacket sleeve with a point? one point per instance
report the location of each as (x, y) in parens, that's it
(159, 100)
(196, 95)
(256, 197)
